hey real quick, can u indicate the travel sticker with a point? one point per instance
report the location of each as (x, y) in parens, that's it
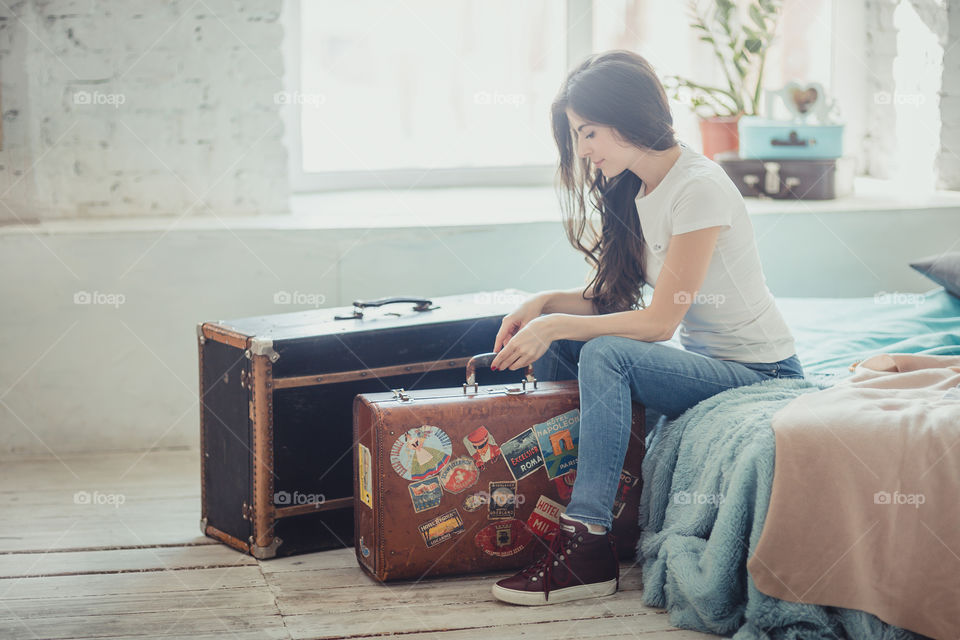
(558, 438)
(365, 477)
(365, 553)
(545, 517)
(426, 494)
(441, 528)
(564, 485)
(420, 452)
(459, 475)
(627, 482)
(481, 445)
(522, 454)
(474, 501)
(502, 539)
(503, 499)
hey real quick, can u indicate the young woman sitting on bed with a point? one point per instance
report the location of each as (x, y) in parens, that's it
(668, 217)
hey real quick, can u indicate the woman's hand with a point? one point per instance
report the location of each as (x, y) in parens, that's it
(526, 345)
(518, 319)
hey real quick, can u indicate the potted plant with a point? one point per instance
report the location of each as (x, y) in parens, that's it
(741, 49)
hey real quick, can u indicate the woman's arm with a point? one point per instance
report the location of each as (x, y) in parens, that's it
(569, 301)
(682, 275)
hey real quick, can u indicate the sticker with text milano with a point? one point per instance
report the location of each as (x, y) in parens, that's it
(545, 517)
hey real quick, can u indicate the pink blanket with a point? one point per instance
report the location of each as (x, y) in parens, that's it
(865, 507)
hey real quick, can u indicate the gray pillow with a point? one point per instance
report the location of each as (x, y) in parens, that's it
(944, 269)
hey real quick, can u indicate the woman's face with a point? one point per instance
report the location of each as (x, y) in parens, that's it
(601, 145)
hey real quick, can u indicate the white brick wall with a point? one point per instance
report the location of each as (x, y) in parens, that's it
(879, 141)
(949, 159)
(197, 127)
(943, 19)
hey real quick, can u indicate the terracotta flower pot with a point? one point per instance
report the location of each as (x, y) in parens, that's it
(719, 134)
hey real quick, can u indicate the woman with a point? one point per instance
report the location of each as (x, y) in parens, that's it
(671, 218)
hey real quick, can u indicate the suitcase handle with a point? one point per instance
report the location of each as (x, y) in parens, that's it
(792, 140)
(419, 304)
(484, 360)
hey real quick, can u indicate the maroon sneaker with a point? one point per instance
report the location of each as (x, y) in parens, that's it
(579, 564)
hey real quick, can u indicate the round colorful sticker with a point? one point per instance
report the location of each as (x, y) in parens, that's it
(502, 539)
(474, 501)
(421, 452)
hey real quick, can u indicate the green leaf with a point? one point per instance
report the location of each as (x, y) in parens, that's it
(757, 17)
(753, 45)
(724, 7)
(770, 6)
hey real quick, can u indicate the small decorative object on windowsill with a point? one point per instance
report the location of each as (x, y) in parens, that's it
(740, 46)
(792, 157)
(796, 136)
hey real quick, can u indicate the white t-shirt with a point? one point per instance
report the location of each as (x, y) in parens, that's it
(733, 316)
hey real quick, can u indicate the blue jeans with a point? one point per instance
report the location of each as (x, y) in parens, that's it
(612, 371)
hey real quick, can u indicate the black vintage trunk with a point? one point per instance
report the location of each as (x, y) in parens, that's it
(277, 400)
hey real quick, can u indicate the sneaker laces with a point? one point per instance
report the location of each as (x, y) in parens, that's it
(545, 563)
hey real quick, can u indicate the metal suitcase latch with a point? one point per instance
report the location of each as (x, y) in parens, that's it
(510, 391)
(400, 395)
(771, 177)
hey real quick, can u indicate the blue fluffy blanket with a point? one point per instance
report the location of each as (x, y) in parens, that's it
(707, 479)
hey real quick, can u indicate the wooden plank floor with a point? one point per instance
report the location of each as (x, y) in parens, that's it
(108, 546)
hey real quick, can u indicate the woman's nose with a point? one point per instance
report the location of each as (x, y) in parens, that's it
(582, 149)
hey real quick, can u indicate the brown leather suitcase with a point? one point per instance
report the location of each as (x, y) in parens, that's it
(471, 479)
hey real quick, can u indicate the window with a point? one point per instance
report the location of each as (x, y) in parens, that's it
(661, 32)
(425, 93)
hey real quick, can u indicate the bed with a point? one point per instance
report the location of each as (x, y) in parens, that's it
(708, 473)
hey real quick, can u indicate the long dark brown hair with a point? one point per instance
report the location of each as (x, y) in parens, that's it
(618, 89)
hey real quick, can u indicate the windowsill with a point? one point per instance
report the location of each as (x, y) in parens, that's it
(459, 207)
(869, 194)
